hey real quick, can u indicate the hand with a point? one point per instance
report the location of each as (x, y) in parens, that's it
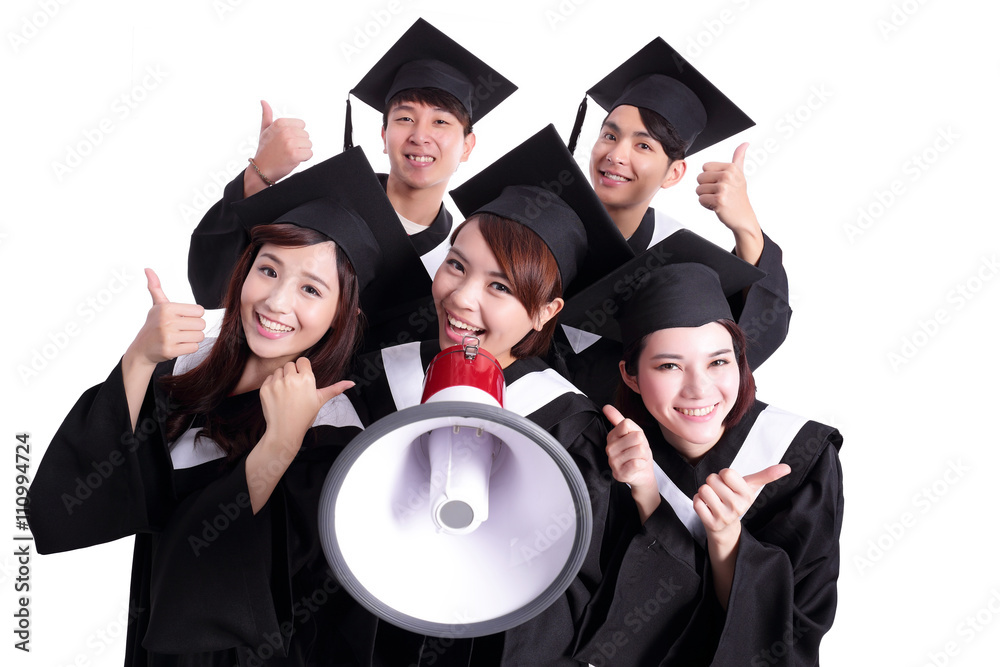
(291, 401)
(724, 497)
(722, 187)
(171, 329)
(631, 461)
(283, 145)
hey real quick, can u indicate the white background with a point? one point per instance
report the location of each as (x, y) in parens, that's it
(845, 96)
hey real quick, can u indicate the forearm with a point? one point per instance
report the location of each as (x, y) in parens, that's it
(722, 552)
(136, 374)
(266, 464)
(749, 242)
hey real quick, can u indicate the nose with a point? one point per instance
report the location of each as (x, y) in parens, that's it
(280, 298)
(463, 296)
(617, 155)
(696, 383)
(420, 133)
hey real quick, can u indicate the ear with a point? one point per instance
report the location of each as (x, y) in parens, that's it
(631, 381)
(547, 312)
(470, 143)
(675, 172)
(385, 146)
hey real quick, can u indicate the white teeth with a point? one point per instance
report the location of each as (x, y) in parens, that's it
(614, 177)
(461, 325)
(700, 412)
(421, 158)
(272, 326)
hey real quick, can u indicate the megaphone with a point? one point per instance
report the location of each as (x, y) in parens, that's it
(455, 518)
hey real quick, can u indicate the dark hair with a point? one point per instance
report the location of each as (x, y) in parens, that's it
(199, 391)
(532, 270)
(663, 131)
(432, 97)
(630, 403)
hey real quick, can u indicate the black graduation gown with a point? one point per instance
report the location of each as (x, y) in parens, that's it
(220, 238)
(574, 421)
(657, 605)
(212, 583)
(763, 314)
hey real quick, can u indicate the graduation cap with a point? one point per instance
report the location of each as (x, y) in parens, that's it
(658, 78)
(425, 57)
(342, 198)
(682, 281)
(539, 185)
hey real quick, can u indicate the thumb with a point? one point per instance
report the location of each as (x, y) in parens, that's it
(767, 475)
(266, 116)
(153, 285)
(613, 415)
(326, 393)
(740, 155)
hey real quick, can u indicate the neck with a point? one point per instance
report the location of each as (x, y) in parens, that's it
(255, 372)
(628, 219)
(691, 452)
(418, 205)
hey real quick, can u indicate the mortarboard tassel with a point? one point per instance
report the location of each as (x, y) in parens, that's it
(577, 125)
(348, 127)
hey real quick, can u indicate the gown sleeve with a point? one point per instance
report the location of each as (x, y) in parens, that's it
(764, 313)
(784, 593)
(216, 244)
(98, 480)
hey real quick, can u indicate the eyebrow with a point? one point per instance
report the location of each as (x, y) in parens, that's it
(311, 276)
(670, 355)
(494, 274)
(410, 107)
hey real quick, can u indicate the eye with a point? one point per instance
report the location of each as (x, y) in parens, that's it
(455, 264)
(404, 119)
(268, 271)
(310, 290)
(720, 362)
(441, 121)
(500, 287)
(645, 146)
(667, 366)
(608, 136)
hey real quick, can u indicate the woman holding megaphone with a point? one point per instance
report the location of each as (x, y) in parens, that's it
(212, 451)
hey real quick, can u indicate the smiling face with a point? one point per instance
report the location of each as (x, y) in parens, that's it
(627, 165)
(473, 296)
(689, 380)
(289, 300)
(425, 144)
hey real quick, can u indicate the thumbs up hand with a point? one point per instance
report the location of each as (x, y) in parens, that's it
(291, 400)
(722, 187)
(171, 329)
(282, 146)
(631, 461)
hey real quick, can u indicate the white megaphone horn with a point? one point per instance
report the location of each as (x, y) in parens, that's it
(456, 517)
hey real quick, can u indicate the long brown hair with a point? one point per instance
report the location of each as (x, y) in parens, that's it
(532, 270)
(630, 403)
(201, 390)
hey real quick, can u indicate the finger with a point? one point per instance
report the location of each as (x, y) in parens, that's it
(336, 389)
(290, 368)
(766, 476)
(613, 415)
(266, 115)
(153, 285)
(303, 365)
(728, 495)
(190, 312)
(740, 155)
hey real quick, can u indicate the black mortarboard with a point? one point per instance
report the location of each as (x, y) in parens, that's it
(539, 185)
(425, 57)
(342, 198)
(682, 281)
(658, 78)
